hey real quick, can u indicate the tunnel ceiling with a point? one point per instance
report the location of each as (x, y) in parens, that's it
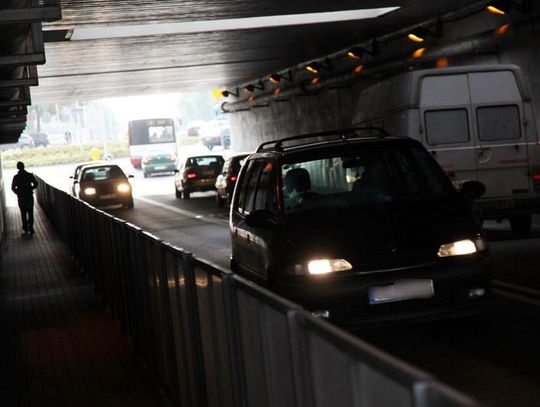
(103, 48)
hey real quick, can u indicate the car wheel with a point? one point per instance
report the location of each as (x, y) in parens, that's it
(210, 147)
(521, 225)
(145, 174)
(185, 194)
(220, 201)
(177, 193)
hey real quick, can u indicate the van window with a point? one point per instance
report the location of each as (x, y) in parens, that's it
(497, 123)
(242, 186)
(250, 188)
(447, 126)
(265, 196)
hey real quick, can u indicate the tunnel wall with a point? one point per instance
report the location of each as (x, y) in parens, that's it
(334, 108)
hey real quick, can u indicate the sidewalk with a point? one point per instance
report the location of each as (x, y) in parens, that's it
(58, 345)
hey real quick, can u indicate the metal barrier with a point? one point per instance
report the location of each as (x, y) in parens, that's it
(216, 339)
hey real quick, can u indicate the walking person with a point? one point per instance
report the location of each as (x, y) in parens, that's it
(23, 185)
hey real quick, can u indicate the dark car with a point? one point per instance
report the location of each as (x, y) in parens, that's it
(77, 171)
(40, 139)
(155, 162)
(226, 181)
(197, 174)
(104, 185)
(359, 225)
(24, 142)
(214, 134)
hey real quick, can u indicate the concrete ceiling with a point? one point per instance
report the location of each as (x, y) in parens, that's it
(103, 48)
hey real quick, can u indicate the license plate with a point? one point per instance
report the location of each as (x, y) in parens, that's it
(209, 173)
(401, 290)
(160, 167)
(110, 196)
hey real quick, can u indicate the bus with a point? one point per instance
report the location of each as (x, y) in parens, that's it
(149, 135)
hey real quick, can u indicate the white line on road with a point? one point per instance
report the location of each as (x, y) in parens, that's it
(184, 212)
(516, 297)
(517, 287)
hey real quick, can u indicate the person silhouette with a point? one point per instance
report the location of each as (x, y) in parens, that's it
(23, 186)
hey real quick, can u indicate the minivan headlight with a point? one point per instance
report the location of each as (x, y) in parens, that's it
(123, 187)
(324, 266)
(462, 247)
(90, 191)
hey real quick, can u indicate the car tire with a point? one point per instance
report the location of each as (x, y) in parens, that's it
(220, 201)
(145, 174)
(185, 194)
(210, 147)
(521, 225)
(177, 193)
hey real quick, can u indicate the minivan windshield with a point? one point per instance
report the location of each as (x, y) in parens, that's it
(367, 176)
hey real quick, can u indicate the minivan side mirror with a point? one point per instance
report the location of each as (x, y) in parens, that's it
(260, 218)
(473, 189)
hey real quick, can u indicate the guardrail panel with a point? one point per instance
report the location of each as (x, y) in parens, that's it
(219, 340)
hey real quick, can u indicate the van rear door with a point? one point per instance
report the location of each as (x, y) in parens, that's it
(445, 118)
(501, 144)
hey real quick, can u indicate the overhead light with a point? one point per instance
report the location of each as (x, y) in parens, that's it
(227, 93)
(503, 7)
(443, 62)
(359, 52)
(358, 69)
(420, 34)
(251, 88)
(503, 29)
(276, 77)
(419, 53)
(277, 91)
(315, 81)
(316, 66)
(251, 98)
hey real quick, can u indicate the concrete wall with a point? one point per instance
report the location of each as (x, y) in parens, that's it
(334, 108)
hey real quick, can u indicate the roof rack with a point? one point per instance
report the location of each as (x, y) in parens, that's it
(333, 135)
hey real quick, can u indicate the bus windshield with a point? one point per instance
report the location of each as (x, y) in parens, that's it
(147, 134)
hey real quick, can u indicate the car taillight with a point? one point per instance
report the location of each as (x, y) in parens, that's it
(191, 175)
(146, 161)
(233, 178)
(536, 177)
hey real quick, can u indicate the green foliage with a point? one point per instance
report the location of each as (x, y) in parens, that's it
(53, 155)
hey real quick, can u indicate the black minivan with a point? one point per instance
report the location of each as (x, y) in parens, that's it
(357, 224)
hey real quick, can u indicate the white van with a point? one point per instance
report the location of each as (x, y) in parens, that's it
(478, 123)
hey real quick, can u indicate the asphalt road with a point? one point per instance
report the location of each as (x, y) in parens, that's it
(496, 360)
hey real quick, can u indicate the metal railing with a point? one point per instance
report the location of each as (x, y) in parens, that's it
(216, 339)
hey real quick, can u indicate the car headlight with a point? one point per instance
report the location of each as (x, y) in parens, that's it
(462, 247)
(90, 191)
(123, 187)
(323, 266)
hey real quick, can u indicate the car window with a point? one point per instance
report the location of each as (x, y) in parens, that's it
(102, 173)
(447, 126)
(242, 186)
(205, 161)
(251, 186)
(265, 195)
(367, 176)
(497, 123)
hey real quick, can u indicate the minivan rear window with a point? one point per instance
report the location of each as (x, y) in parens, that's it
(496, 123)
(447, 126)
